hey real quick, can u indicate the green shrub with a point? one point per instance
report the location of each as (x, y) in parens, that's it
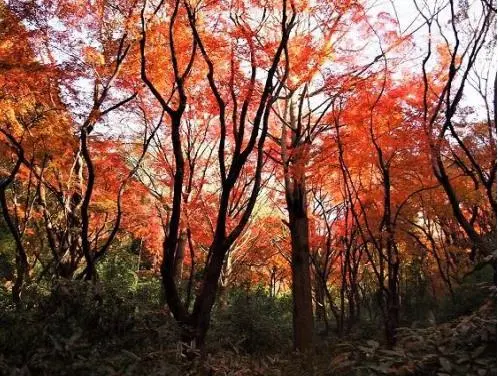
(468, 296)
(76, 323)
(254, 322)
(118, 270)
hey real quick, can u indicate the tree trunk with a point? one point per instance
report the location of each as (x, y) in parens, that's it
(297, 207)
(21, 275)
(320, 307)
(22, 264)
(392, 317)
(301, 281)
(180, 255)
(201, 314)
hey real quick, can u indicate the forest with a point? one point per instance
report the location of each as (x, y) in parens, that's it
(248, 187)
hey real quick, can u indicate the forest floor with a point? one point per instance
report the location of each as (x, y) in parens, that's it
(80, 333)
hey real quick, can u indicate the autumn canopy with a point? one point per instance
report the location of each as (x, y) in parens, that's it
(340, 152)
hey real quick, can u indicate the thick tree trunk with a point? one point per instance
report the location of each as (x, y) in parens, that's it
(301, 281)
(201, 314)
(294, 160)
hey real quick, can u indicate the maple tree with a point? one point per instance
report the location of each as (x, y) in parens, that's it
(189, 16)
(457, 61)
(27, 114)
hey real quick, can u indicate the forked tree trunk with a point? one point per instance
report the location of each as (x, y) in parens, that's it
(198, 320)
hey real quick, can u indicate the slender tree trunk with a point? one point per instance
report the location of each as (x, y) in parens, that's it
(180, 255)
(273, 281)
(21, 275)
(355, 295)
(22, 265)
(192, 268)
(225, 279)
(392, 303)
(344, 285)
(320, 307)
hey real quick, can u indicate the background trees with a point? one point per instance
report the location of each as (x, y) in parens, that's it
(317, 148)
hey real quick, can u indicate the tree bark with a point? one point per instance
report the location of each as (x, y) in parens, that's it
(180, 255)
(301, 280)
(201, 314)
(22, 265)
(295, 195)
